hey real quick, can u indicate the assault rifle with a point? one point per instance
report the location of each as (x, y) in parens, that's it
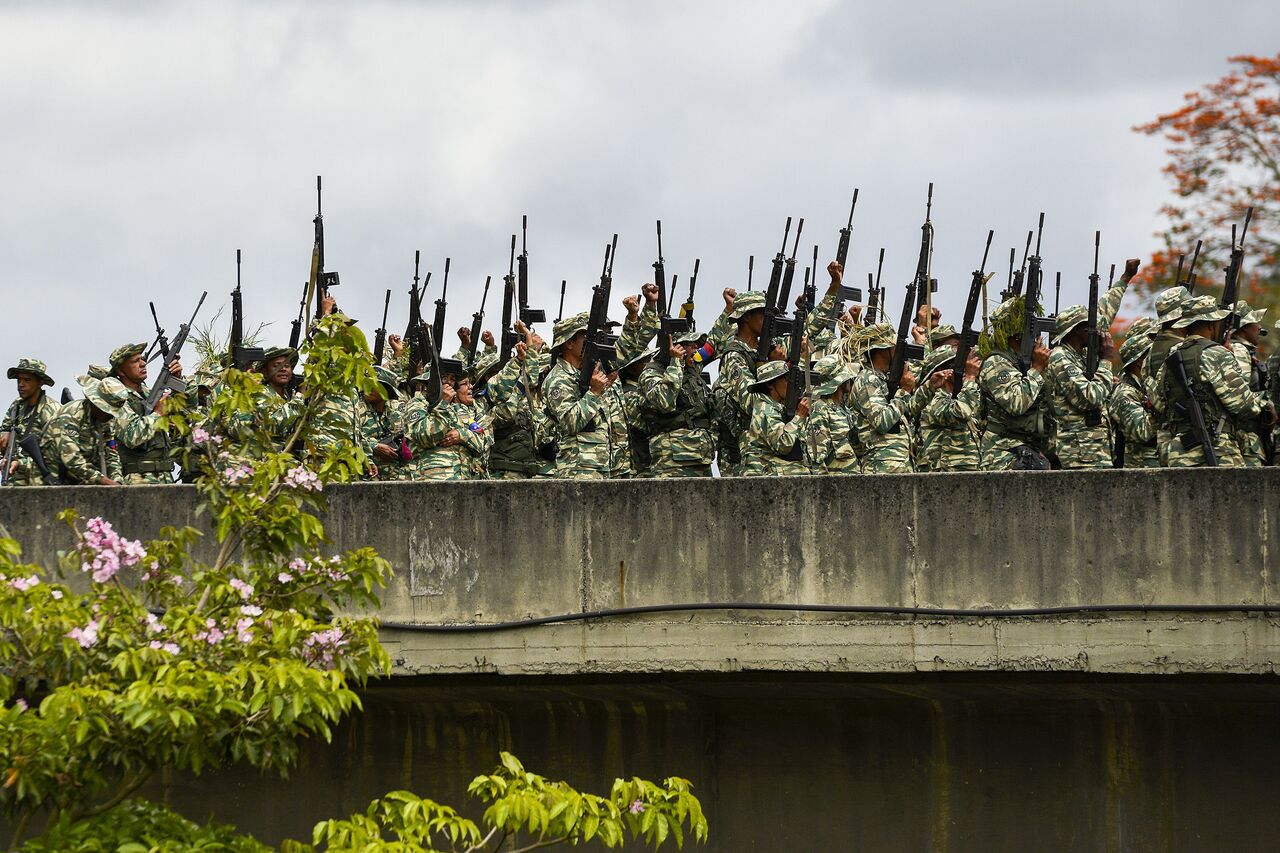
(415, 339)
(686, 310)
(160, 346)
(476, 319)
(968, 335)
(1019, 277)
(560, 313)
(1057, 291)
(875, 296)
(166, 381)
(903, 350)
(30, 444)
(1173, 362)
(751, 265)
(295, 330)
(599, 346)
(667, 325)
(380, 337)
(528, 315)
(846, 293)
(437, 324)
(926, 285)
(1093, 341)
(509, 294)
(242, 357)
(1033, 325)
(1231, 289)
(1008, 284)
(781, 323)
(321, 281)
(771, 295)
(1190, 283)
(798, 374)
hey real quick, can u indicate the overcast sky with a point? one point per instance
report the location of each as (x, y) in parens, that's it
(143, 143)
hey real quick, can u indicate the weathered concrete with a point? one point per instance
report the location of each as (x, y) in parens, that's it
(824, 763)
(487, 552)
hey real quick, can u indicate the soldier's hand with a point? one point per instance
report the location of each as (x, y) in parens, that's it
(972, 367)
(803, 407)
(854, 314)
(175, 368)
(385, 451)
(729, 295)
(4, 441)
(675, 350)
(451, 439)
(522, 350)
(939, 378)
(464, 335)
(934, 316)
(1108, 348)
(908, 383)
(327, 304)
(650, 292)
(777, 353)
(397, 345)
(1131, 268)
(806, 348)
(486, 338)
(1040, 357)
(447, 392)
(13, 467)
(520, 328)
(373, 470)
(599, 382)
(155, 410)
(535, 340)
(107, 481)
(632, 304)
(918, 334)
(837, 274)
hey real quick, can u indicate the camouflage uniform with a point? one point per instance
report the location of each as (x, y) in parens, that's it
(949, 435)
(1246, 356)
(883, 426)
(523, 436)
(636, 334)
(581, 420)
(27, 420)
(1226, 403)
(731, 394)
(1169, 303)
(379, 427)
(336, 420)
(145, 454)
(1133, 426)
(1078, 404)
(829, 443)
(771, 446)
(475, 428)
(86, 449)
(675, 405)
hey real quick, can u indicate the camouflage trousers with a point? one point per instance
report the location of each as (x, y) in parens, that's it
(891, 456)
(1225, 449)
(148, 479)
(1250, 449)
(1084, 447)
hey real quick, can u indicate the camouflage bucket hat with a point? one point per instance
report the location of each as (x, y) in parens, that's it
(880, 336)
(1143, 326)
(744, 302)
(565, 329)
(941, 333)
(35, 367)
(121, 354)
(843, 373)
(388, 381)
(638, 357)
(1200, 309)
(826, 366)
(1169, 304)
(1134, 348)
(1248, 316)
(768, 372)
(1068, 318)
(276, 352)
(206, 379)
(105, 397)
(98, 371)
(689, 337)
(939, 359)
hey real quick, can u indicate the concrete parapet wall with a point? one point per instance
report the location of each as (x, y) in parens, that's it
(497, 551)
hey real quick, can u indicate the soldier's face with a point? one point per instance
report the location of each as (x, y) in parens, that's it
(464, 393)
(134, 368)
(280, 370)
(1250, 332)
(754, 320)
(28, 385)
(573, 346)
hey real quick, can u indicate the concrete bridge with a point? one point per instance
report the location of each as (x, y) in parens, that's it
(999, 661)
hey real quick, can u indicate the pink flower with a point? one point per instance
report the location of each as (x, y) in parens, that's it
(212, 635)
(251, 610)
(284, 577)
(24, 584)
(245, 589)
(171, 648)
(199, 436)
(243, 634)
(636, 807)
(233, 474)
(320, 647)
(301, 478)
(87, 636)
(153, 624)
(105, 552)
(20, 704)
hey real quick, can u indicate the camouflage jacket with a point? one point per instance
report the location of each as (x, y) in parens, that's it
(1014, 410)
(636, 334)
(731, 399)
(475, 428)
(828, 443)
(1227, 392)
(949, 435)
(1073, 400)
(378, 427)
(86, 450)
(523, 435)
(675, 404)
(771, 446)
(426, 429)
(582, 424)
(1132, 419)
(32, 420)
(883, 425)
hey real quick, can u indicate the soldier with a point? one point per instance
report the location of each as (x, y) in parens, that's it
(1244, 344)
(86, 450)
(145, 452)
(641, 326)
(883, 425)
(433, 431)
(382, 429)
(582, 421)
(1018, 420)
(1216, 384)
(282, 408)
(829, 442)
(1130, 408)
(30, 414)
(676, 408)
(475, 432)
(1169, 304)
(949, 436)
(731, 395)
(630, 439)
(524, 443)
(1078, 404)
(773, 446)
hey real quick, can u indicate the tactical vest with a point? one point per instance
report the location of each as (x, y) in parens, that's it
(1032, 427)
(153, 456)
(1177, 412)
(693, 407)
(1160, 347)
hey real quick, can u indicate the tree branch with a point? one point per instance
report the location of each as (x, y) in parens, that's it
(118, 798)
